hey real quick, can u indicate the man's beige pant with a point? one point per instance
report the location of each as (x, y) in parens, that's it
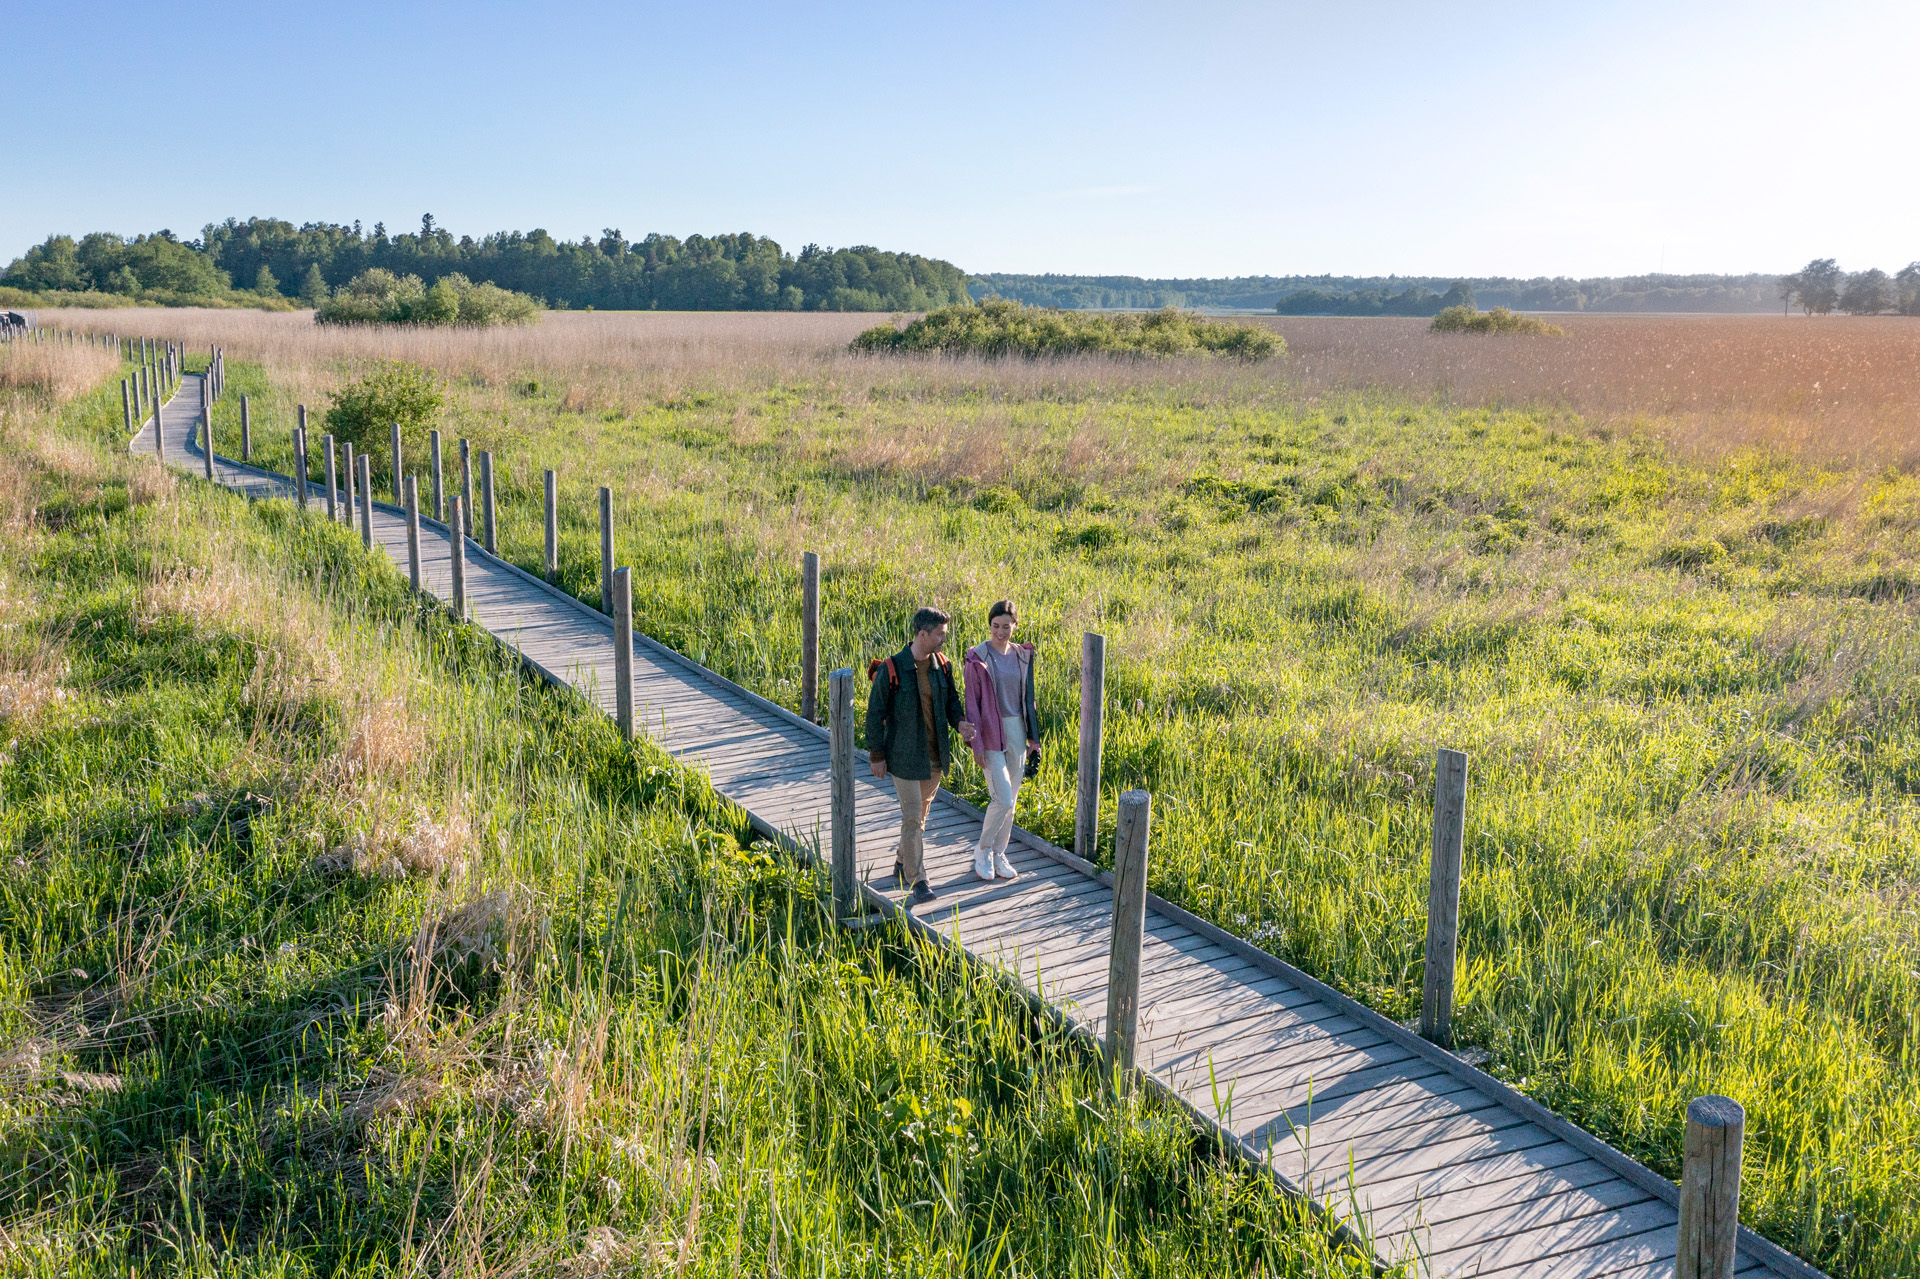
(915, 799)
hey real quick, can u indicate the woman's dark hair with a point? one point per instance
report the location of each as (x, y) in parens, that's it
(1002, 608)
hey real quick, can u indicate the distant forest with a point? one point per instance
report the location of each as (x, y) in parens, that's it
(1392, 295)
(272, 259)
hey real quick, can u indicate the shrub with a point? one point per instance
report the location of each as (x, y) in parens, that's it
(1464, 319)
(998, 327)
(378, 296)
(394, 392)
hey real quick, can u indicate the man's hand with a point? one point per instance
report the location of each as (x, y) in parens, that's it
(879, 767)
(968, 732)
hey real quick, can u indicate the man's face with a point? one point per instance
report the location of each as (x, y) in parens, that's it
(933, 639)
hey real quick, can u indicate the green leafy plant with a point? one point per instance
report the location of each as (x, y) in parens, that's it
(378, 296)
(998, 327)
(394, 392)
(1464, 319)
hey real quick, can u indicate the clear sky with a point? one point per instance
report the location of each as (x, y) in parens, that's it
(1176, 139)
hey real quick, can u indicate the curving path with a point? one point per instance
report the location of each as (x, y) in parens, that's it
(1414, 1149)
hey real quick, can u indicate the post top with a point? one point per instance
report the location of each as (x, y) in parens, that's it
(1129, 799)
(1714, 1111)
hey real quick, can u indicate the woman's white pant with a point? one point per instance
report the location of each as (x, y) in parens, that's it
(1003, 785)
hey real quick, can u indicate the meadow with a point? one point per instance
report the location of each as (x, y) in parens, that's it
(331, 944)
(1657, 577)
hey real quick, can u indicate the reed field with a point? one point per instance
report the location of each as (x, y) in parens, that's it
(1657, 577)
(331, 944)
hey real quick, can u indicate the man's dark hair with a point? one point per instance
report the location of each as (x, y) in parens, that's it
(928, 618)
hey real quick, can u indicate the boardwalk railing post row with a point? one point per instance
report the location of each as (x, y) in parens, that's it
(623, 651)
(439, 478)
(1093, 700)
(366, 501)
(413, 532)
(810, 637)
(606, 550)
(246, 431)
(1710, 1188)
(395, 459)
(326, 453)
(486, 500)
(1443, 896)
(457, 544)
(1129, 933)
(846, 890)
(552, 564)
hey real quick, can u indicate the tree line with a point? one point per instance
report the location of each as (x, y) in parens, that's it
(1821, 288)
(272, 259)
(1390, 294)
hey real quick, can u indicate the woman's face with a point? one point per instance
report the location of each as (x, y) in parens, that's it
(1001, 628)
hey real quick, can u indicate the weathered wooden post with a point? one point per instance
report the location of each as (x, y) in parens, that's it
(395, 441)
(159, 437)
(623, 651)
(126, 405)
(1443, 895)
(1093, 706)
(246, 431)
(300, 465)
(466, 487)
(810, 637)
(303, 421)
(553, 526)
(846, 890)
(439, 478)
(606, 551)
(206, 433)
(326, 456)
(347, 454)
(457, 543)
(1129, 934)
(486, 501)
(1710, 1188)
(413, 532)
(366, 501)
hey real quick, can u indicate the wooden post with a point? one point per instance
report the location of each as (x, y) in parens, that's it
(347, 454)
(159, 438)
(413, 532)
(623, 651)
(300, 465)
(366, 501)
(606, 551)
(553, 527)
(326, 455)
(810, 637)
(1710, 1188)
(1093, 705)
(1129, 933)
(486, 501)
(126, 405)
(303, 421)
(457, 543)
(206, 432)
(246, 431)
(1443, 896)
(439, 479)
(846, 891)
(466, 487)
(393, 443)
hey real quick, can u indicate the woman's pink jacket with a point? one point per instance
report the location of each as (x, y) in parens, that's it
(983, 705)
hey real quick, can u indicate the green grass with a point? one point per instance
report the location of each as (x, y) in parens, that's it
(597, 1027)
(1687, 686)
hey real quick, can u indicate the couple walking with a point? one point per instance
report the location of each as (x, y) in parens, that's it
(913, 707)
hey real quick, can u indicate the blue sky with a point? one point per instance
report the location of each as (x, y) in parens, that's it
(1188, 139)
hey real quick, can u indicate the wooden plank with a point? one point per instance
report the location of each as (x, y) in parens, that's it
(1589, 1246)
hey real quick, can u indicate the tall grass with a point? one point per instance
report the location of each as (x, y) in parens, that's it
(1678, 640)
(330, 944)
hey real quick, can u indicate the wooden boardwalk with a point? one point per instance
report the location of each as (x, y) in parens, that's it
(1432, 1160)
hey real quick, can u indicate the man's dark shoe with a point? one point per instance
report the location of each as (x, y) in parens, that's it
(921, 893)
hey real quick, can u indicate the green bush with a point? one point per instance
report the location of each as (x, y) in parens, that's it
(997, 327)
(395, 392)
(1464, 319)
(378, 296)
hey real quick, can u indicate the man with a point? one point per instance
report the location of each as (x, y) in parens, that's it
(912, 708)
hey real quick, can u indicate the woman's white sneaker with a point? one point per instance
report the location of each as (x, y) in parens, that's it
(1002, 868)
(982, 864)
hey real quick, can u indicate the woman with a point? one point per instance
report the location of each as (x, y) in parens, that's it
(1000, 707)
